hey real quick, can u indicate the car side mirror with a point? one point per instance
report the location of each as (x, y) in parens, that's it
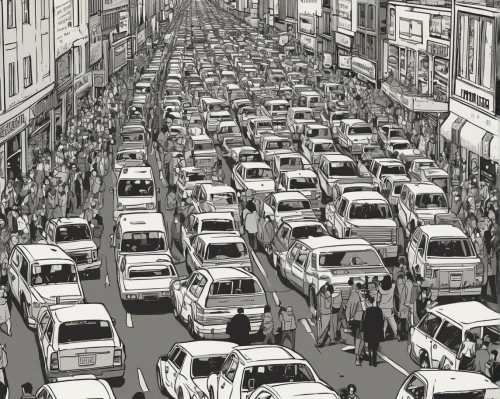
(111, 190)
(113, 321)
(251, 383)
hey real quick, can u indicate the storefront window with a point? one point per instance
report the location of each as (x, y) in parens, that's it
(423, 73)
(440, 26)
(393, 60)
(473, 36)
(486, 54)
(14, 157)
(371, 17)
(461, 47)
(440, 84)
(361, 15)
(38, 146)
(370, 46)
(410, 68)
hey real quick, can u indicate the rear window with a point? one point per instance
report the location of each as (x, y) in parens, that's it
(85, 330)
(223, 199)
(202, 367)
(217, 225)
(236, 286)
(301, 183)
(145, 272)
(289, 206)
(308, 231)
(233, 250)
(276, 373)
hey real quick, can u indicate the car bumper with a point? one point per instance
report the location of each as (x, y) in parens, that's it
(105, 372)
(387, 250)
(218, 331)
(116, 214)
(88, 266)
(146, 296)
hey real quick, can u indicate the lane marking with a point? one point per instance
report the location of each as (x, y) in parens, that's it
(107, 280)
(142, 381)
(348, 348)
(393, 364)
(276, 299)
(130, 324)
(262, 271)
(308, 328)
(311, 323)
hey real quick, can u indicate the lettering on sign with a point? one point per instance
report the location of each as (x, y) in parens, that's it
(364, 67)
(82, 81)
(95, 39)
(345, 14)
(65, 32)
(474, 98)
(12, 126)
(343, 40)
(440, 50)
(110, 4)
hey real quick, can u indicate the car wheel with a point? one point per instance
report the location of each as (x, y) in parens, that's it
(190, 327)
(160, 381)
(177, 314)
(424, 361)
(189, 261)
(180, 395)
(25, 311)
(211, 393)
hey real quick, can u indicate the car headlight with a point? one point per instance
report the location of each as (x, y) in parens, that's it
(120, 207)
(131, 296)
(94, 255)
(165, 293)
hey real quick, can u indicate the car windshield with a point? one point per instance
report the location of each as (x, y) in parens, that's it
(275, 374)
(368, 257)
(73, 232)
(392, 170)
(198, 176)
(233, 287)
(53, 274)
(346, 168)
(231, 250)
(293, 205)
(84, 330)
(397, 188)
(264, 125)
(230, 129)
(202, 367)
(308, 231)
(473, 394)
(217, 225)
(143, 241)
(317, 132)
(223, 199)
(203, 146)
(400, 146)
(300, 183)
(374, 152)
(429, 201)
(449, 248)
(217, 107)
(129, 156)
(143, 89)
(149, 271)
(246, 157)
(360, 130)
(278, 145)
(234, 143)
(135, 188)
(280, 107)
(303, 115)
(130, 137)
(397, 133)
(324, 147)
(370, 211)
(259, 173)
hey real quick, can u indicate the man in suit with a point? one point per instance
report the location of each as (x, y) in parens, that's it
(373, 329)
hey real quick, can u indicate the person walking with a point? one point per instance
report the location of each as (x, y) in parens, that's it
(267, 326)
(354, 313)
(373, 329)
(288, 325)
(27, 390)
(351, 388)
(482, 356)
(385, 301)
(493, 367)
(239, 328)
(251, 225)
(324, 305)
(466, 352)
(402, 305)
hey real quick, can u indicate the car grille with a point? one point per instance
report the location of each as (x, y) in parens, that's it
(80, 258)
(374, 235)
(224, 319)
(203, 162)
(150, 297)
(138, 206)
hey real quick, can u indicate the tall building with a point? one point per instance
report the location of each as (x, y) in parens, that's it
(27, 76)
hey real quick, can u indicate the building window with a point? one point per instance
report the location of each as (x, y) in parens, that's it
(45, 11)
(11, 14)
(12, 79)
(410, 29)
(440, 27)
(486, 54)
(45, 55)
(325, 3)
(361, 15)
(392, 21)
(78, 60)
(326, 23)
(370, 22)
(25, 8)
(359, 43)
(371, 49)
(28, 77)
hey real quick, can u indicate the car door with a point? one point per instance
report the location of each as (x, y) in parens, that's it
(177, 364)
(14, 273)
(419, 260)
(298, 266)
(423, 338)
(24, 280)
(46, 340)
(170, 370)
(290, 258)
(188, 231)
(323, 175)
(412, 247)
(227, 377)
(238, 177)
(445, 346)
(339, 218)
(414, 388)
(189, 297)
(280, 240)
(403, 211)
(117, 241)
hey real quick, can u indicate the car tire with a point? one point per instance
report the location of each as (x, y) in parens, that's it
(24, 306)
(190, 327)
(189, 267)
(211, 393)
(161, 386)
(424, 361)
(176, 313)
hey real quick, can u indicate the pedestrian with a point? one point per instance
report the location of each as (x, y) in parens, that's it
(493, 367)
(466, 352)
(324, 302)
(4, 309)
(139, 395)
(482, 356)
(251, 225)
(3, 362)
(267, 327)
(354, 312)
(401, 268)
(336, 315)
(402, 304)
(288, 325)
(385, 301)
(373, 329)
(265, 232)
(351, 388)
(239, 328)
(27, 390)
(343, 393)
(456, 202)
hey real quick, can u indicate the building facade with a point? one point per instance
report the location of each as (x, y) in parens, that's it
(26, 81)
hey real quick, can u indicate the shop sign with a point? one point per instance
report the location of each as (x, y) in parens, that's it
(99, 78)
(345, 14)
(95, 53)
(456, 128)
(437, 49)
(307, 41)
(307, 24)
(141, 37)
(149, 42)
(364, 67)
(82, 81)
(65, 33)
(343, 40)
(13, 126)
(485, 145)
(327, 60)
(474, 96)
(308, 7)
(120, 56)
(43, 106)
(111, 4)
(345, 61)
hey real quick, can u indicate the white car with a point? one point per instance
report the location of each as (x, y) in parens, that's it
(184, 371)
(209, 298)
(256, 176)
(294, 390)
(77, 339)
(80, 387)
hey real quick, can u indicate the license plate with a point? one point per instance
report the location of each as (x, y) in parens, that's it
(456, 277)
(88, 360)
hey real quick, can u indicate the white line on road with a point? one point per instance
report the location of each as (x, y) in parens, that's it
(308, 328)
(107, 279)
(348, 348)
(130, 323)
(142, 381)
(263, 272)
(393, 364)
(276, 299)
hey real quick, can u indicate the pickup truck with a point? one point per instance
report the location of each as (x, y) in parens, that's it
(367, 215)
(314, 147)
(381, 167)
(256, 176)
(221, 196)
(271, 145)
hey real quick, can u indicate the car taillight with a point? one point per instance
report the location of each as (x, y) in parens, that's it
(54, 361)
(428, 270)
(120, 207)
(94, 255)
(479, 269)
(117, 357)
(394, 236)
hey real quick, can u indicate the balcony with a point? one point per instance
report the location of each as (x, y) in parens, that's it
(409, 97)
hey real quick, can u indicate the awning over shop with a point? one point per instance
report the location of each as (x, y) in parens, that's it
(416, 103)
(471, 137)
(447, 125)
(495, 149)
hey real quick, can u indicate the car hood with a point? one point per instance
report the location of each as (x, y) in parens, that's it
(77, 246)
(430, 213)
(66, 292)
(205, 153)
(304, 121)
(398, 140)
(361, 138)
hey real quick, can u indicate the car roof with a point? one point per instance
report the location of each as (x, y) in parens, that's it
(337, 157)
(203, 348)
(309, 93)
(79, 311)
(213, 215)
(296, 109)
(352, 121)
(277, 102)
(136, 172)
(258, 353)
(316, 126)
(43, 252)
(441, 381)
(300, 173)
(468, 313)
(364, 195)
(301, 222)
(289, 195)
(80, 389)
(132, 259)
(68, 221)
(442, 230)
(424, 188)
(388, 161)
(140, 221)
(261, 119)
(225, 273)
(219, 113)
(192, 169)
(329, 241)
(253, 165)
(219, 188)
(221, 237)
(288, 390)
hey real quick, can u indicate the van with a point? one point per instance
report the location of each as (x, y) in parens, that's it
(354, 134)
(313, 100)
(435, 340)
(135, 191)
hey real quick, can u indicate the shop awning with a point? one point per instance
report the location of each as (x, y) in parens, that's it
(414, 102)
(471, 137)
(495, 149)
(447, 125)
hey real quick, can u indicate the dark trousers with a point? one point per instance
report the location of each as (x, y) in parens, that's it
(372, 352)
(290, 334)
(355, 325)
(402, 326)
(493, 288)
(252, 240)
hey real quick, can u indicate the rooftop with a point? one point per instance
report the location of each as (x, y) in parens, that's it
(206, 348)
(257, 353)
